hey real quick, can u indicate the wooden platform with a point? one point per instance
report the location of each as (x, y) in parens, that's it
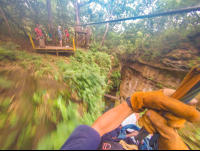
(53, 48)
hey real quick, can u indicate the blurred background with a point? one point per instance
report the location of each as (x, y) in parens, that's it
(44, 96)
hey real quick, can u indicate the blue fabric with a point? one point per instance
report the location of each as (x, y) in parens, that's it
(59, 33)
(113, 136)
(83, 138)
(122, 135)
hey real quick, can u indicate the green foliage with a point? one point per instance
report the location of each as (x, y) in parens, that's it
(142, 113)
(109, 87)
(116, 78)
(104, 62)
(9, 140)
(87, 82)
(7, 54)
(59, 103)
(191, 64)
(86, 76)
(151, 78)
(71, 119)
(35, 62)
(168, 76)
(5, 103)
(159, 85)
(116, 62)
(5, 83)
(38, 97)
(3, 119)
(56, 77)
(27, 134)
(94, 47)
(13, 119)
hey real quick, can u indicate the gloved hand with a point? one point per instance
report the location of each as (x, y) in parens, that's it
(172, 120)
(169, 138)
(157, 101)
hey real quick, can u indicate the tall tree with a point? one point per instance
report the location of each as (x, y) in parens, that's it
(110, 14)
(11, 35)
(51, 22)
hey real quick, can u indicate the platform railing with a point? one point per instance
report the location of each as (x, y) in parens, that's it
(74, 45)
(32, 41)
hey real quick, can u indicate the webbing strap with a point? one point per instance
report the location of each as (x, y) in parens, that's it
(127, 146)
(122, 136)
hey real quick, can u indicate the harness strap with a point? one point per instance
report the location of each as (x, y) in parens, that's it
(122, 136)
(127, 146)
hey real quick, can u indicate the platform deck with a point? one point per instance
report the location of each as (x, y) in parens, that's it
(58, 48)
(53, 48)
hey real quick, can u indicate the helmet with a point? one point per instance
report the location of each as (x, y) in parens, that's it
(65, 30)
(59, 26)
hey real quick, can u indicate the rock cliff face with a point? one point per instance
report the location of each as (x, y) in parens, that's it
(137, 76)
(140, 73)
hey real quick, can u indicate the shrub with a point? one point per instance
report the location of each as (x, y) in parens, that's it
(94, 47)
(116, 79)
(7, 54)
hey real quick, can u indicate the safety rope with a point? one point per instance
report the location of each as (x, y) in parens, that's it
(177, 11)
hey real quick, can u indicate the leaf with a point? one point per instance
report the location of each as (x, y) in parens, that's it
(56, 77)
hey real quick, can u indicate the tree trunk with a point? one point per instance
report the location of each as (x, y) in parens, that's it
(78, 22)
(104, 36)
(11, 35)
(51, 22)
(63, 19)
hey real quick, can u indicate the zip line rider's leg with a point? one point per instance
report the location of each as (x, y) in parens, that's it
(41, 42)
(60, 40)
(67, 41)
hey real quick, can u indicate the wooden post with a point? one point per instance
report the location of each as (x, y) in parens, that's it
(11, 35)
(76, 39)
(32, 42)
(74, 48)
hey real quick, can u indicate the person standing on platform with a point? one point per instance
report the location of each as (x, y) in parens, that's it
(39, 36)
(60, 35)
(67, 38)
(44, 35)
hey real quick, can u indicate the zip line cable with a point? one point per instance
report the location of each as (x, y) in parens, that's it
(177, 11)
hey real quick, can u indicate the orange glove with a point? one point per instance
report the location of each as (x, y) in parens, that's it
(172, 120)
(157, 101)
(169, 138)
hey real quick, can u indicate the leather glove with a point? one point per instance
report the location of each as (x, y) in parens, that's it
(172, 120)
(169, 138)
(157, 101)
